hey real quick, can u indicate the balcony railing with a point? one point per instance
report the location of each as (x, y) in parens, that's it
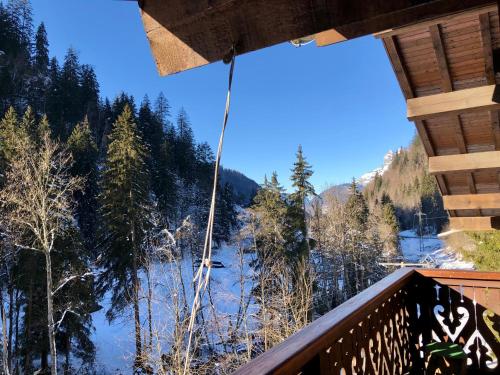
(385, 329)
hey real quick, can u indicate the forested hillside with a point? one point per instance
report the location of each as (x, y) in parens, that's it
(409, 186)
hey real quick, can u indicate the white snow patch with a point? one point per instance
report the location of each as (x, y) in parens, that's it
(431, 249)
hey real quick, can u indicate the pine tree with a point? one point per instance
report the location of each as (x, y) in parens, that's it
(70, 98)
(184, 148)
(225, 216)
(162, 181)
(357, 208)
(301, 173)
(271, 210)
(83, 148)
(390, 219)
(124, 201)
(41, 58)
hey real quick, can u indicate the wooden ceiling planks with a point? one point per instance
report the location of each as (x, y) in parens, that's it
(448, 67)
(186, 34)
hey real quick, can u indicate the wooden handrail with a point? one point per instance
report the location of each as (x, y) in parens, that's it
(290, 356)
(459, 274)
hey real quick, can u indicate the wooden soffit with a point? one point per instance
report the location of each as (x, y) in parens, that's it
(185, 34)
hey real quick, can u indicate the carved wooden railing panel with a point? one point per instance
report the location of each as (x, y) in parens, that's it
(461, 311)
(384, 330)
(378, 344)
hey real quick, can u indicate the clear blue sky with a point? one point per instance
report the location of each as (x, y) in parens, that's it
(342, 102)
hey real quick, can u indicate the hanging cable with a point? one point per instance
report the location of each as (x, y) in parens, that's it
(202, 280)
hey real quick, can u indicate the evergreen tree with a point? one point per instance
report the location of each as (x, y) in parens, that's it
(70, 98)
(41, 58)
(40, 70)
(84, 151)
(357, 208)
(162, 182)
(301, 173)
(124, 201)
(272, 217)
(390, 220)
(162, 109)
(184, 148)
(225, 216)
(89, 96)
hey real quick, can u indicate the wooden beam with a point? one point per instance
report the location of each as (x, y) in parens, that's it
(479, 223)
(186, 34)
(397, 62)
(442, 61)
(473, 162)
(452, 103)
(472, 201)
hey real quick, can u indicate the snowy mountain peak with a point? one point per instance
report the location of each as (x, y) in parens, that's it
(366, 178)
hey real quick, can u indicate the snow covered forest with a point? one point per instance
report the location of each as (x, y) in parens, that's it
(103, 211)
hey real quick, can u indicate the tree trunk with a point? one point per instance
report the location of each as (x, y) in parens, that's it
(16, 335)
(27, 333)
(11, 318)
(150, 311)
(68, 352)
(135, 301)
(5, 345)
(50, 316)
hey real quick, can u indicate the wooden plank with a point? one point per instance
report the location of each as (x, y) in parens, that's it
(480, 223)
(440, 20)
(186, 34)
(452, 103)
(472, 201)
(291, 355)
(441, 58)
(473, 162)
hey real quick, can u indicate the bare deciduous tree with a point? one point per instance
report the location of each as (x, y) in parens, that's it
(37, 199)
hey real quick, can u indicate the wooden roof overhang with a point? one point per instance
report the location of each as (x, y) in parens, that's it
(448, 70)
(445, 53)
(184, 34)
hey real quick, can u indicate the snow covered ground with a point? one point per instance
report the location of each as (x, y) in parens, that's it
(115, 342)
(430, 249)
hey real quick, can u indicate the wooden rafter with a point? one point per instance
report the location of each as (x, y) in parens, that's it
(392, 49)
(452, 103)
(472, 201)
(473, 162)
(442, 61)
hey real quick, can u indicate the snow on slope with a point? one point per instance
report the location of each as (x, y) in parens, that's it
(434, 250)
(366, 178)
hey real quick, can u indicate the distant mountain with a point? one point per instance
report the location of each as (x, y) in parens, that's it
(368, 177)
(244, 188)
(341, 191)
